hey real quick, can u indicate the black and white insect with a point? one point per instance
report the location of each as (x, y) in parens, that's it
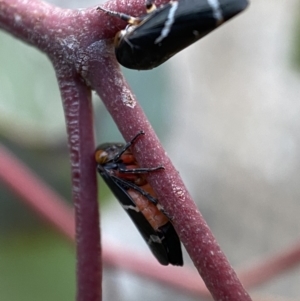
(150, 40)
(119, 169)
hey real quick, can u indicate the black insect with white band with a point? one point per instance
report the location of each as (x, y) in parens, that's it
(150, 40)
(119, 169)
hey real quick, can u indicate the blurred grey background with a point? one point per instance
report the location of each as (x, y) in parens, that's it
(226, 111)
(236, 133)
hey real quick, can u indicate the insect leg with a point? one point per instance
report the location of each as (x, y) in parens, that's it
(140, 170)
(127, 185)
(129, 19)
(127, 145)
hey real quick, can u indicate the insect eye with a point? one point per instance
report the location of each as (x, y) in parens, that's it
(101, 156)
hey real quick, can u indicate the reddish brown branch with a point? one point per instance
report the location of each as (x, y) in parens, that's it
(72, 41)
(35, 194)
(270, 267)
(193, 231)
(78, 113)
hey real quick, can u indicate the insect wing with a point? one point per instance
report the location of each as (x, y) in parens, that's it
(172, 28)
(153, 238)
(172, 244)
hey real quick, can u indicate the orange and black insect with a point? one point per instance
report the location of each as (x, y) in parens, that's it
(119, 169)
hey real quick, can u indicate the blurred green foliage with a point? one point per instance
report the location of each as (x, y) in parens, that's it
(36, 265)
